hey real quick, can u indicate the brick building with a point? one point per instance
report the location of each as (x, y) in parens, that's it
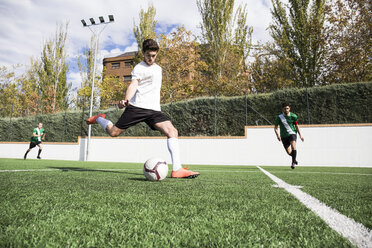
(120, 66)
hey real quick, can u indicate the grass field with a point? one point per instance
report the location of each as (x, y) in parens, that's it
(95, 204)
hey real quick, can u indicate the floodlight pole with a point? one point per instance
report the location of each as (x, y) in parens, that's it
(95, 38)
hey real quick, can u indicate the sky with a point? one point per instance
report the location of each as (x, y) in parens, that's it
(27, 24)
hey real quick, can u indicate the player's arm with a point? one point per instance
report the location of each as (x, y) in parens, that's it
(43, 136)
(131, 90)
(276, 129)
(34, 133)
(299, 131)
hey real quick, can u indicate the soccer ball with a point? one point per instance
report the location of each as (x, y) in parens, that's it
(155, 169)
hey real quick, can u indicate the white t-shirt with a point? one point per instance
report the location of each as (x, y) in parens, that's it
(148, 91)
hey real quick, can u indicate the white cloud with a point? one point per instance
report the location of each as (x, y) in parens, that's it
(75, 79)
(27, 24)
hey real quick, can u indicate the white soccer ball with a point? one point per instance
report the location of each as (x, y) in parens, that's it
(155, 169)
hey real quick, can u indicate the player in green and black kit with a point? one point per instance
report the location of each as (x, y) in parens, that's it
(288, 132)
(37, 135)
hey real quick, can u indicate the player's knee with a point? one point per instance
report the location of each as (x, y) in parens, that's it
(173, 133)
(114, 132)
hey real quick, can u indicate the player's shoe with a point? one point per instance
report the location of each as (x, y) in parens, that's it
(38, 157)
(25, 156)
(93, 119)
(293, 165)
(184, 173)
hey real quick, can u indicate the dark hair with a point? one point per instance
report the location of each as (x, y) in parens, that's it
(150, 45)
(285, 104)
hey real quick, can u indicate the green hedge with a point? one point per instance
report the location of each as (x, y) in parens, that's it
(342, 103)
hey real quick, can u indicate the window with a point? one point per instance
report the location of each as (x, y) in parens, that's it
(115, 65)
(127, 78)
(127, 64)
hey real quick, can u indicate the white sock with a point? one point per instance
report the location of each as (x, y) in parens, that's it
(174, 150)
(103, 122)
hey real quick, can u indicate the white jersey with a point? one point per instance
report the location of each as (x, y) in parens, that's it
(149, 84)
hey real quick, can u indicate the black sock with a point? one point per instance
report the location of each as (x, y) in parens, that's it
(294, 155)
(38, 154)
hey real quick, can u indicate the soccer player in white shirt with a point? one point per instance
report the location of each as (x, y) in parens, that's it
(142, 104)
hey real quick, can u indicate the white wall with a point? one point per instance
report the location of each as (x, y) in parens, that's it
(325, 145)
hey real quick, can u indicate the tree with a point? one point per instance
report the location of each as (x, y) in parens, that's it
(111, 90)
(269, 73)
(86, 67)
(182, 66)
(299, 39)
(225, 56)
(8, 93)
(145, 30)
(349, 41)
(236, 63)
(226, 44)
(216, 27)
(30, 97)
(52, 72)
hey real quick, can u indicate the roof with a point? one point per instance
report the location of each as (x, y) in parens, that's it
(127, 54)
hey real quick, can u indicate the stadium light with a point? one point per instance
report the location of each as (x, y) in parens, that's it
(84, 23)
(96, 34)
(92, 21)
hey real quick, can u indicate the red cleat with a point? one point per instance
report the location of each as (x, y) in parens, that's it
(92, 119)
(184, 173)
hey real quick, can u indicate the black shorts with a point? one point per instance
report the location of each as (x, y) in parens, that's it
(287, 140)
(33, 144)
(133, 115)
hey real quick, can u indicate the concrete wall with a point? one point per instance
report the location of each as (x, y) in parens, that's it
(325, 145)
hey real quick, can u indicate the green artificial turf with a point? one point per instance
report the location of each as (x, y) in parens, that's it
(97, 204)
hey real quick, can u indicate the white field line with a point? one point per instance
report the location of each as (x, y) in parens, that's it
(356, 233)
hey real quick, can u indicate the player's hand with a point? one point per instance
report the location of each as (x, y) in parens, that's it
(123, 103)
(302, 138)
(279, 138)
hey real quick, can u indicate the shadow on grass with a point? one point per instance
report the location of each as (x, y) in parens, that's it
(138, 179)
(92, 170)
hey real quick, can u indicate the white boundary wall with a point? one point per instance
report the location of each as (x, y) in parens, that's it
(325, 145)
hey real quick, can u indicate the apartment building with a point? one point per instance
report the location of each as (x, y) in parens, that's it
(120, 66)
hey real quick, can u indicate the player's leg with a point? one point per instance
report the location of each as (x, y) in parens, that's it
(113, 130)
(32, 145)
(167, 128)
(293, 154)
(287, 145)
(107, 125)
(28, 150)
(287, 141)
(40, 149)
(294, 151)
(288, 149)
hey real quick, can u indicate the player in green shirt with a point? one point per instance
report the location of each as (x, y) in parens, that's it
(289, 128)
(37, 136)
